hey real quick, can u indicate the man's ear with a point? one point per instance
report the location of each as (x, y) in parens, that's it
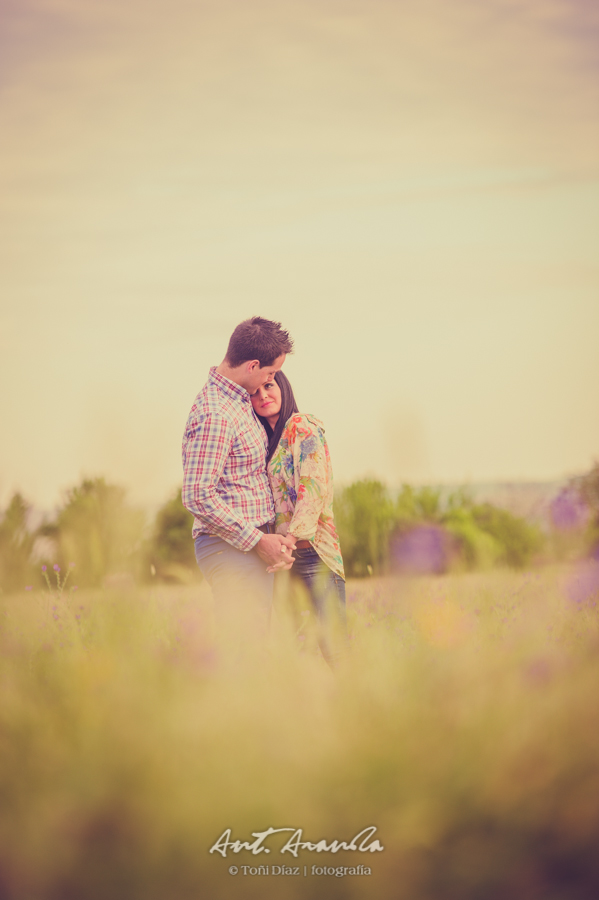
(252, 365)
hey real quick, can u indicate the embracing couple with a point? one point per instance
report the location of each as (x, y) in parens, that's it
(257, 477)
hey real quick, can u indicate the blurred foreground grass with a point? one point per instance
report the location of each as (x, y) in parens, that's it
(466, 728)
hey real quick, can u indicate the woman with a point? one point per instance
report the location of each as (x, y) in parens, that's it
(301, 478)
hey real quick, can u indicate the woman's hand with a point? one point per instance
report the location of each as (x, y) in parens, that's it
(286, 560)
(275, 549)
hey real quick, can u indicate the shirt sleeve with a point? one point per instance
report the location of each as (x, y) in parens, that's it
(206, 448)
(310, 463)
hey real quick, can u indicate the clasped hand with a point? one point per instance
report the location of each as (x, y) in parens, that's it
(275, 549)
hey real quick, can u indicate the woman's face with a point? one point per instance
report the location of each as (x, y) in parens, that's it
(266, 400)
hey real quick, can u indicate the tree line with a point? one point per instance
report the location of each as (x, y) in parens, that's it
(98, 534)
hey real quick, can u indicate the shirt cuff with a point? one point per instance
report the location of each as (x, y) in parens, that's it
(249, 538)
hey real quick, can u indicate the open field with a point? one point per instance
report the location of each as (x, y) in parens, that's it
(465, 727)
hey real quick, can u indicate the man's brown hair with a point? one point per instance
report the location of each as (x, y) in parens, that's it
(260, 339)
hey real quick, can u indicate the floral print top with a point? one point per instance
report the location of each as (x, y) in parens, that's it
(301, 479)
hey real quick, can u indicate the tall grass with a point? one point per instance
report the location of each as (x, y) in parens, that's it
(465, 727)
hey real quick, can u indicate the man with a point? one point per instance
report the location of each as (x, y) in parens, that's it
(225, 484)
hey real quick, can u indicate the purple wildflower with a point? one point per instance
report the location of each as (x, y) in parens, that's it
(423, 549)
(28, 587)
(44, 568)
(56, 567)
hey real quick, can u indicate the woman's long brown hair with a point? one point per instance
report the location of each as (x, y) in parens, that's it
(288, 408)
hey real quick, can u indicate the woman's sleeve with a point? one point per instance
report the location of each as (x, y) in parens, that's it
(311, 471)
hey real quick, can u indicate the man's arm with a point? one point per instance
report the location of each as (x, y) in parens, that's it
(205, 452)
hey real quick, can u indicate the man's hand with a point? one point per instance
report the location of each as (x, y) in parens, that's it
(275, 550)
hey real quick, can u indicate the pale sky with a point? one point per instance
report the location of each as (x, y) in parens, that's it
(410, 186)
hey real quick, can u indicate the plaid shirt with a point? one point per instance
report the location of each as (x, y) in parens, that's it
(225, 484)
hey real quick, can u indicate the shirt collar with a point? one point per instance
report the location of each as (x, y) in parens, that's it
(235, 391)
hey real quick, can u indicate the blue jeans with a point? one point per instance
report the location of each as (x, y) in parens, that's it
(242, 590)
(326, 593)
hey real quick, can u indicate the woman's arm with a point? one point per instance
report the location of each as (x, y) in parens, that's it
(311, 479)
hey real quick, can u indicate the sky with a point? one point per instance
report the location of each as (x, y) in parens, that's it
(410, 186)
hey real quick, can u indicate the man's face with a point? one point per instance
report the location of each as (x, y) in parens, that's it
(258, 376)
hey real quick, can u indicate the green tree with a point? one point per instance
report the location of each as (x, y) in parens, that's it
(170, 551)
(428, 504)
(16, 545)
(476, 548)
(98, 531)
(518, 539)
(365, 516)
(373, 527)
